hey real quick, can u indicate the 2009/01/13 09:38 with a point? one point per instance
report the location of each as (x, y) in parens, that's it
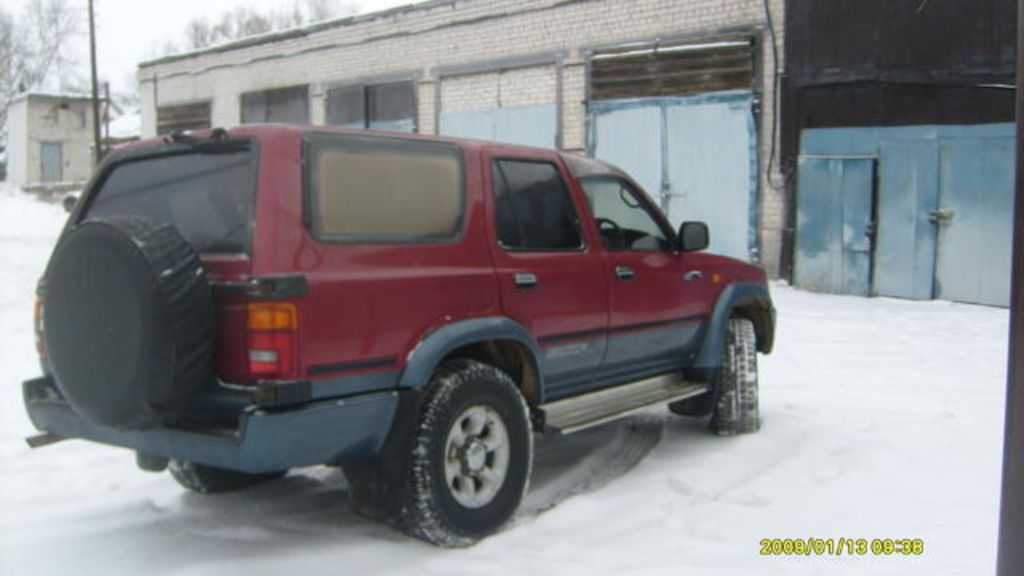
(841, 546)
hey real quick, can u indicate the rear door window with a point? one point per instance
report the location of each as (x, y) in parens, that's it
(206, 195)
(534, 210)
(372, 189)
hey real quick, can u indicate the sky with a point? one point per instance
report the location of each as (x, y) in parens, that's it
(132, 31)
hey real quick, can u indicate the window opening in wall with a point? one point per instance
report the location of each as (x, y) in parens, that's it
(388, 106)
(285, 105)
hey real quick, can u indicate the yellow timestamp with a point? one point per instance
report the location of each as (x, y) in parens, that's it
(842, 547)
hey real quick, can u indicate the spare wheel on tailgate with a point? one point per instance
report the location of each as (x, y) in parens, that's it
(129, 321)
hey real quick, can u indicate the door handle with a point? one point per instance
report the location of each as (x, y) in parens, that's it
(693, 275)
(940, 216)
(624, 272)
(525, 280)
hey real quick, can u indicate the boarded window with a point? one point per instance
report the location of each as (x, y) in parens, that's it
(534, 209)
(284, 105)
(672, 70)
(390, 106)
(366, 189)
(182, 117)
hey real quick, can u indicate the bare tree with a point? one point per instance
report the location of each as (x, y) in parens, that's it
(244, 22)
(34, 50)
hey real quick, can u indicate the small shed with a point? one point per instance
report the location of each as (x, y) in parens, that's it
(49, 139)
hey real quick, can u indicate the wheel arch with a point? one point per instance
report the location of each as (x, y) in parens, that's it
(744, 299)
(496, 340)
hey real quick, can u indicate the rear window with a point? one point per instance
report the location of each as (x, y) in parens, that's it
(369, 189)
(206, 195)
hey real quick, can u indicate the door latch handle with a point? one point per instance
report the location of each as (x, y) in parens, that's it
(526, 280)
(940, 216)
(693, 275)
(624, 272)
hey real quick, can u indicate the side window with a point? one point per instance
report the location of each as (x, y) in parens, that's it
(534, 210)
(370, 189)
(622, 217)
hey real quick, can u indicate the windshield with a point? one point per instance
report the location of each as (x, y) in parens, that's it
(207, 195)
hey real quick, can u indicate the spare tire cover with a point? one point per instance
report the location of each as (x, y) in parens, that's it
(129, 321)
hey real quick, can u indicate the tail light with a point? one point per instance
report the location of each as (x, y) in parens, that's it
(37, 324)
(273, 333)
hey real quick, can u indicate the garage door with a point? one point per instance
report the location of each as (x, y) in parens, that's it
(679, 119)
(937, 202)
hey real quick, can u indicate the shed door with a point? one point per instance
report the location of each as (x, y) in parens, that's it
(833, 234)
(975, 220)
(52, 162)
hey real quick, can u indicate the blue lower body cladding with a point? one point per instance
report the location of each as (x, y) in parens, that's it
(265, 440)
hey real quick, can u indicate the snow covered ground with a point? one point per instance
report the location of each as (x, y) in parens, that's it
(882, 419)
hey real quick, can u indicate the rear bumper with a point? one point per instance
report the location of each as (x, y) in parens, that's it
(325, 432)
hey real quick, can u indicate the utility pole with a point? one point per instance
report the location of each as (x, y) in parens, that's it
(1010, 555)
(106, 112)
(97, 143)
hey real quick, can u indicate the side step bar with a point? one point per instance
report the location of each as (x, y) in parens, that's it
(581, 412)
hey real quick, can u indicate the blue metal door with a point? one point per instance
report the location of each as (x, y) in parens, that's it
(526, 125)
(696, 155)
(908, 193)
(52, 156)
(711, 169)
(833, 233)
(975, 220)
(630, 137)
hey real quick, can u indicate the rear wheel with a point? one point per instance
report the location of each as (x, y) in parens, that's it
(736, 411)
(211, 480)
(471, 457)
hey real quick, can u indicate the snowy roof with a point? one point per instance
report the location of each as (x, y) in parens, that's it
(299, 31)
(127, 125)
(53, 95)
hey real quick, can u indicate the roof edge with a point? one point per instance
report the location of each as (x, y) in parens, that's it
(51, 95)
(297, 32)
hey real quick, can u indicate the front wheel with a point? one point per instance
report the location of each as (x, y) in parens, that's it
(736, 411)
(471, 457)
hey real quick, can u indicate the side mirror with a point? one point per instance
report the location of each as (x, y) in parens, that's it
(693, 236)
(69, 202)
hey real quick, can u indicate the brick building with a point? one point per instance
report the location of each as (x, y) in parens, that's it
(678, 92)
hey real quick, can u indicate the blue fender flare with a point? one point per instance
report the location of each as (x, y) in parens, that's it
(433, 348)
(746, 295)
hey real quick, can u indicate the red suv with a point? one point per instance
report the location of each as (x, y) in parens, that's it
(234, 304)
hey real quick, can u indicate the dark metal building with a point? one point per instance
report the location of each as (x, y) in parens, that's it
(898, 139)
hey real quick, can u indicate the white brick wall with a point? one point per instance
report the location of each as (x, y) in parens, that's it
(440, 34)
(472, 92)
